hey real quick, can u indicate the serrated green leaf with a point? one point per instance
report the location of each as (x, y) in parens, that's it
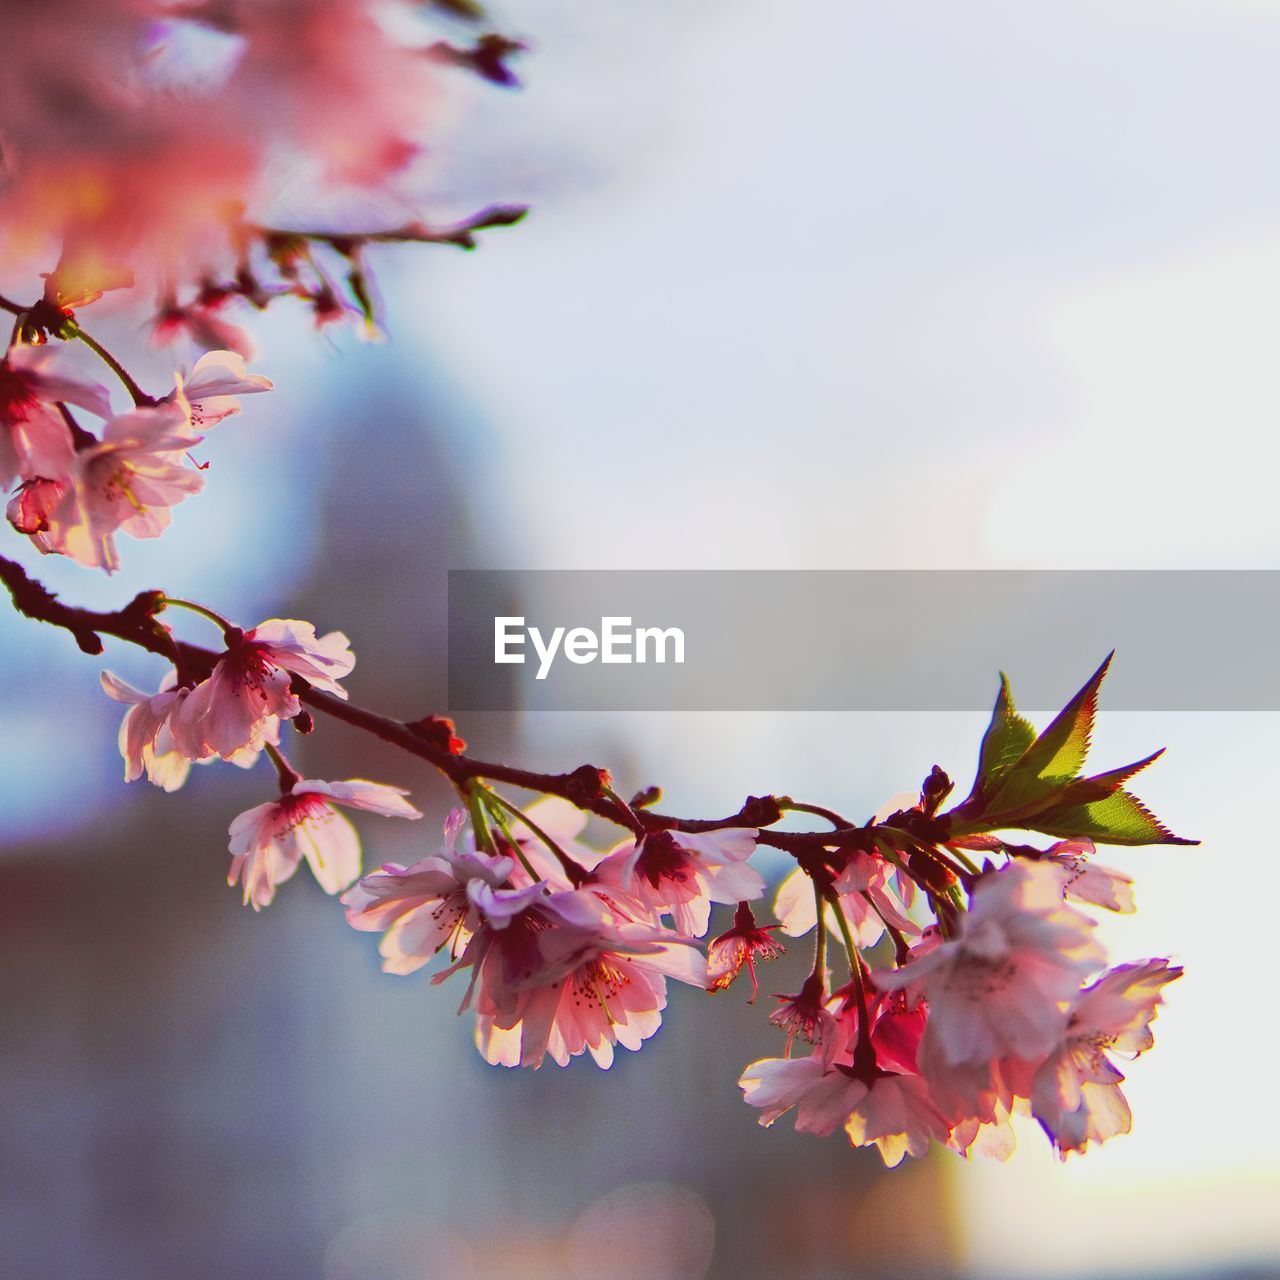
(1101, 785)
(1119, 818)
(1057, 755)
(1038, 783)
(1007, 738)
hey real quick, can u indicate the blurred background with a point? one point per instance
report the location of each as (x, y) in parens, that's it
(828, 285)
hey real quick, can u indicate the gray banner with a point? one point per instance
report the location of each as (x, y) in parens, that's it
(1197, 640)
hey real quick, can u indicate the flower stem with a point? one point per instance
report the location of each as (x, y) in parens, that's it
(140, 397)
(574, 870)
(864, 1054)
(820, 947)
(632, 819)
(486, 798)
(479, 823)
(227, 628)
(843, 925)
(289, 777)
(964, 860)
(819, 811)
(865, 1062)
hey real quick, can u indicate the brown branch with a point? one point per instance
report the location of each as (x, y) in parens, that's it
(135, 623)
(586, 787)
(461, 234)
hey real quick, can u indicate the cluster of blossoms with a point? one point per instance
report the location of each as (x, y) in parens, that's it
(168, 143)
(1009, 1010)
(974, 993)
(144, 148)
(73, 491)
(235, 713)
(569, 951)
(1012, 1012)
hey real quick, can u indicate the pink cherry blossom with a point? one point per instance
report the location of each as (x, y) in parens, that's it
(867, 898)
(146, 737)
(424, 907)
(868, 878)
(210, 390)
(993, 1138)
(1003, 984)
(250, 688)
(893, 1111)
(899, 1116)
(897, 1027)
(1076, 1093)
(1086, 881)
(559, 973)
(270, 840)
(681, 875)
(35, 441)
(806, 1015)
(31, 508)
(125, 484)
(349, 95)
(145, 740)
(777, 1085)
(741, 945)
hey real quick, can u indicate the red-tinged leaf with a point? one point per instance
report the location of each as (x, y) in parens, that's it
(983, 842)
(1005, 742)
(1119, 818)
(1057, 755)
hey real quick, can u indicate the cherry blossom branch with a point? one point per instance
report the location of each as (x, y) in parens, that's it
(994, 932)
(347, 243)
(909, 840)
(588, 787)
(585, 787)
(134, 623)
(996, 983)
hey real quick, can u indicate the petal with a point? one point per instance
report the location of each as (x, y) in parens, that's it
(357, 793)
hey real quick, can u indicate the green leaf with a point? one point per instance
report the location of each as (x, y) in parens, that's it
(1032, 783)
(1008, 736)
(1101, 785)
(1120, 818)
(1057, 755)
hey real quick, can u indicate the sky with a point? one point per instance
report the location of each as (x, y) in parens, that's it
(843, 285)
(938, 285)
